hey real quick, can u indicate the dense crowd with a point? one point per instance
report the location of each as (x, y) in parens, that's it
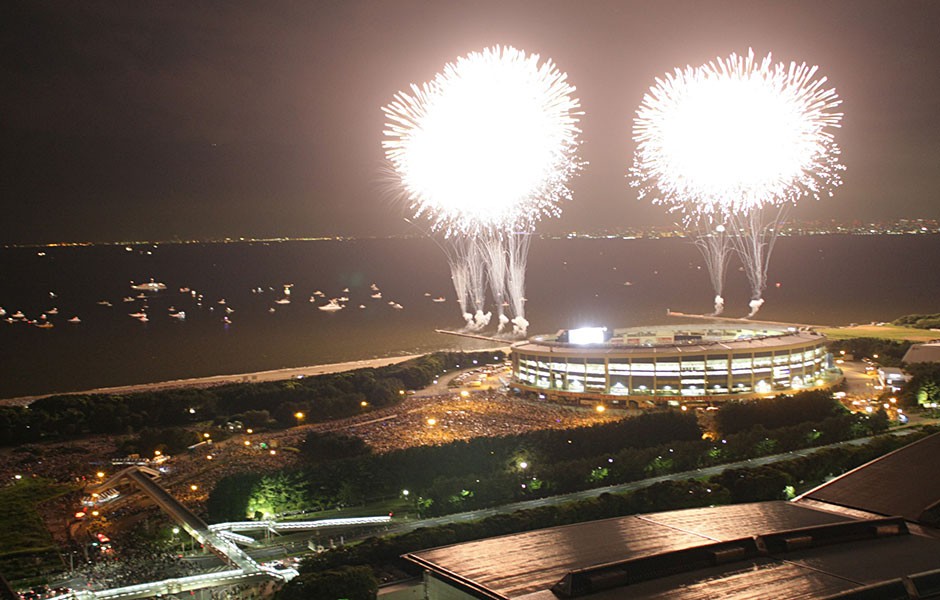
(443, 416)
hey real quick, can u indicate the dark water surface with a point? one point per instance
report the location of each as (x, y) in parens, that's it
(823, 279)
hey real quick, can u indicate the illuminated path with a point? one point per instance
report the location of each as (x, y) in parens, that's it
(221, 543)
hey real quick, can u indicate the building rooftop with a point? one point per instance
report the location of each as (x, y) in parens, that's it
(809, 549)
(889, 485)
(919, 353)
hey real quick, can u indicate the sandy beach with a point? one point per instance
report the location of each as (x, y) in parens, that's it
(274, 375)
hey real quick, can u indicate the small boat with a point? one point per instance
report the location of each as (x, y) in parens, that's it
(374, 287)
(271, 310)
(319, 293)
(179, 315)
(397, 306)
(150, 286)
(222, 301)
(52, 294)
(345, 290)
(141, 296)
(128, 299)
(439, 299)
(143, 319)
(8, 320)
(40, 254)
(104, 303)
(343, 299)
(377, 295)
(427, 294)
(228, 310)
(75, 319)
(18, 315)
(282, 301)
(2, 312)
(52, 311)
(226, 320)
(45, 325)
(313, 298)
(184, 290)
(362, 306)
(333, 305)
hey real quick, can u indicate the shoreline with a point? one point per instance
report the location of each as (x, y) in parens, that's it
(215, 380)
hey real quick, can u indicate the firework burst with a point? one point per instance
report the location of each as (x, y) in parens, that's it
(488, 145)
(736, 134)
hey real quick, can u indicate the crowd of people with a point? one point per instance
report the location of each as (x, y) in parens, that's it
(438, 416)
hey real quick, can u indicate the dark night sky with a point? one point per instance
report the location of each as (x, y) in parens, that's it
(149, 120)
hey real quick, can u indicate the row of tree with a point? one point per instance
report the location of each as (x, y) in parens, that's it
(485, 472)
(928, 321)
(273, 404)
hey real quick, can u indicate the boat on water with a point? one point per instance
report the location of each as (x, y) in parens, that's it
(104, 303)
(377, 295)
(137, 315)
(18, 315)
(128, 299)
(439, 299)
(181, 315)
(333, 305)
(75, 319)
(45, 325)
(362, 306)
(141, 296)
(319, 293)
(343, 299)
(271, 310)
(282, 301)
(229, 310)
(150, 286)
(52, 311)
(374, 287)
(397, 306)
(226, 320)
(143, 319)
(2, 312)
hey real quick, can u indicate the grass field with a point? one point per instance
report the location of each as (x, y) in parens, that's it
(26, 547)
(884, 332)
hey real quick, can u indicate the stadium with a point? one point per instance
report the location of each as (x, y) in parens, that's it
(675, 365)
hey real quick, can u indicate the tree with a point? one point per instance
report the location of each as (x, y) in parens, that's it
(352, 583)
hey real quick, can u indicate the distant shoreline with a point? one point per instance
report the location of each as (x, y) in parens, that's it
(215, 380)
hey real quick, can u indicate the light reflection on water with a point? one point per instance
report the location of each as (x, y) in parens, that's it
(823, 279)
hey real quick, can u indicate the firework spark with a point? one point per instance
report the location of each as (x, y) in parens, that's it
(736, 134)
(488, 144)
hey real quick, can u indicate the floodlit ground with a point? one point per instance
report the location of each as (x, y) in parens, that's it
(885, 332)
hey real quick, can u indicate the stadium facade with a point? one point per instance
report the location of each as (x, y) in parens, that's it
(671, 364)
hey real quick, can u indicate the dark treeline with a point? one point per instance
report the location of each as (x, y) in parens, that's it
(781, 411)
(485, 472)
(770, 482)
(889, 352)
(274, 403)
(930, 321)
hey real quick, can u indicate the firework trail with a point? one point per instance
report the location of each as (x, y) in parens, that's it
(736, 139)
(484, 149)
